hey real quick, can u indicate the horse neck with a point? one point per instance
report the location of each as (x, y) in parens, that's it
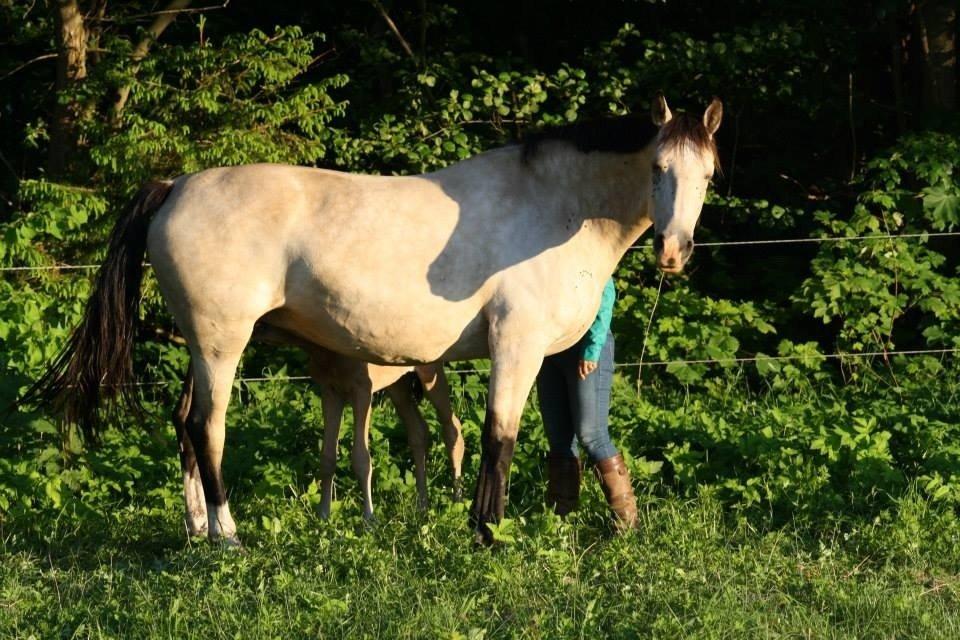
(610, 190)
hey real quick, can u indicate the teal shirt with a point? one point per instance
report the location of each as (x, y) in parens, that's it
(596, 335)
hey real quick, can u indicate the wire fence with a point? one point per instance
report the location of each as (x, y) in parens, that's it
(645, 247)
(642, 363)
(651, 363)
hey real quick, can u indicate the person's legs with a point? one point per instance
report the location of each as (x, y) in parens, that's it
(592, 425)
(591, 406)
(563, 465)
(554, 401)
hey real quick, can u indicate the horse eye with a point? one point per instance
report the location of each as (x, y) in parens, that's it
(658, 169)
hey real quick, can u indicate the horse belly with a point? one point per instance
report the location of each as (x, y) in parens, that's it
(381, 331)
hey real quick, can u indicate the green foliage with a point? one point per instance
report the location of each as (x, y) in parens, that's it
(872, 289)
(238, 101)
(816, 490)
(97, 548)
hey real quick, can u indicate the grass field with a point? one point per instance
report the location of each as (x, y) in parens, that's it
(687, 572)
(97, 550)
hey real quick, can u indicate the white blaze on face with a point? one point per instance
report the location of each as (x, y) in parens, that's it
(681, 176)
(683, 165)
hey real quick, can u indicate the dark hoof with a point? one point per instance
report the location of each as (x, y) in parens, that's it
(483, 537)
(457, 491)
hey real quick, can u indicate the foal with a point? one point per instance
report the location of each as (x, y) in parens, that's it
(343, 380)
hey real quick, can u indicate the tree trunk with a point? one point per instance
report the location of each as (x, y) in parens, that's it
(162, 21)
(71, 68)
(938, 32)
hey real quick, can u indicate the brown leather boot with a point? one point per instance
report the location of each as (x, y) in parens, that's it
(563, 483)
(615, 481)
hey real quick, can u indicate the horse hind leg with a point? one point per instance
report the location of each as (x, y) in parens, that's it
(406, 405)
(214, 371)
(437, 390)
(195, 512)
(332, 415)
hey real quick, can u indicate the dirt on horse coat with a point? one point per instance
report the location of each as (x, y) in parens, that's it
(503, 255)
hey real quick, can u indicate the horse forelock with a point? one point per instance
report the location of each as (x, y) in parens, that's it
(685, 131)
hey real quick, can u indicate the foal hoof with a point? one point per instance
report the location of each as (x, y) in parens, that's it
(457, 491)
(228, 542)
(483, 537)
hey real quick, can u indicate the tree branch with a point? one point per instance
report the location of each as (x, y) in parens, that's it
(46, 56)
(212, 7)
(163, 20)
(393, 27)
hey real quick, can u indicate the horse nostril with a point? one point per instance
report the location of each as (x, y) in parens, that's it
(689, 245)
(658, 242)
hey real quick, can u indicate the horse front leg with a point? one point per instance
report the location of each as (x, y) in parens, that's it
(195, 511)
(435, 387)
(515, 361)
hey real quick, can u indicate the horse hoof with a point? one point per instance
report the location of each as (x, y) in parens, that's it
(483, 537)
(457, 493)
(196, 527)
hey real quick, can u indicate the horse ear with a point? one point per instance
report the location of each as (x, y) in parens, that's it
(713, 115)
(659, 110)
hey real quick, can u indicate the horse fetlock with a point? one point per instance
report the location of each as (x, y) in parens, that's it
(220, 524)
(328, 467)
(423, 500)
(196, 520)
(489, 501)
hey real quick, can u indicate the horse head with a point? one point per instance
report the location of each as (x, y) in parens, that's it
(684, 161)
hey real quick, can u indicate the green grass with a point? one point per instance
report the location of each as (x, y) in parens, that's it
(689, 571)
(818, 512)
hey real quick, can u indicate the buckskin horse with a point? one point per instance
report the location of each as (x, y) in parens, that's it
(502, 255)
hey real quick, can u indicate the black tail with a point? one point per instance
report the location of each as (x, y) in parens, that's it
(97, 362)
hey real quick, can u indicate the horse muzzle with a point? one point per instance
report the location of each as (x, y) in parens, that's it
(672, 253)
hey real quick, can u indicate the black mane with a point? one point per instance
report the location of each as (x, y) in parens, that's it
(623, 134)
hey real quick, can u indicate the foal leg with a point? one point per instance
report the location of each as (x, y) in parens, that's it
(437, 390)
(214, 370)
(515, 360)
(195, 514)
(409, 413)
(360, 455)
(332, 415)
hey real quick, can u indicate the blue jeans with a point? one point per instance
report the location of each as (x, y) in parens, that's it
(575, 409)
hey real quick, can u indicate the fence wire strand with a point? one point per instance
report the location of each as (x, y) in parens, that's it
(626, 365)
(647, 363)
(645, 247)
